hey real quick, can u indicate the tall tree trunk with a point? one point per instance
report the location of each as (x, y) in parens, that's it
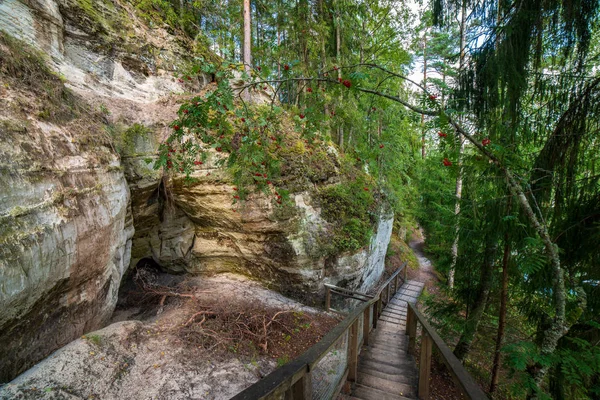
(338, 41)
(247, 60)
(459, 177)
(559, 325)
(303, 14)
(502, 316)
(425, 85)
(361, 54)
(472, 323)
(247, 37)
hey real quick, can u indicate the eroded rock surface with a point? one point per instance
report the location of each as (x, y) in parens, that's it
(65, 220)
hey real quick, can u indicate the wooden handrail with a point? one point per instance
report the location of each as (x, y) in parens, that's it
(429, 337)
(350, 293)
(293, 380)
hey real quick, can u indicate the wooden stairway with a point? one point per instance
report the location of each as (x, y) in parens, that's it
(385, 370)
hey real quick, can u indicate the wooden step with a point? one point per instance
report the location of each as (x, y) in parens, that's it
(384, 385)
(392, 354)
(368, 393)
(391, 320)
(387, 346)
(405, 378)
(397, 305)
(410, 371)
(389, 327)
(380, 333)
(390, 311)
(387, 360)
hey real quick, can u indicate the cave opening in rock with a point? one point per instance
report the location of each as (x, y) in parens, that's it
(143, 293)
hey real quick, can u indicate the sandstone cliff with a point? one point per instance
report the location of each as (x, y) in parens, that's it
(78, 141)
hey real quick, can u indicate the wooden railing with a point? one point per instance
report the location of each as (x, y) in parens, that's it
(430, 338)
(293, 381)
(351, 294)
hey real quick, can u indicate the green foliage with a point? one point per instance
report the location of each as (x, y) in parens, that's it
(351, 207)
(127, 141)
(95, 339)
(165, 11)
(281, 361)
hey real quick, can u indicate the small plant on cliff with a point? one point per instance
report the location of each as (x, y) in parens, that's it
(351, 207)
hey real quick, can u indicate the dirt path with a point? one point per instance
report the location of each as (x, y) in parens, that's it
(426, 273)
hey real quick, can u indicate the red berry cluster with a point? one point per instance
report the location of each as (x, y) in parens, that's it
(486, 141)
(442, 134)
(347, 83)
(447, 162)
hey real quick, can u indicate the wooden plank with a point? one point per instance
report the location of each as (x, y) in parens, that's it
(463, 379)
(366, 325)
(375, 316)
(349, 296)
(369, 393)
(353, 352)
(399, 389)
(387, 293)
(302, 389)
(424, 366)
(341, 289)
(411, 330)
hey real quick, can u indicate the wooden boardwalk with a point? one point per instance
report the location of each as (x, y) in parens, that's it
(385, 370)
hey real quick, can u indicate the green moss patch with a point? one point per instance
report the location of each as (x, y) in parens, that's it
(352, 210)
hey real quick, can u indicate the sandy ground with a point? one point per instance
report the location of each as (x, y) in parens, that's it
(153, 351)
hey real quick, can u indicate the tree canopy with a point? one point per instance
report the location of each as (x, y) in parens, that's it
(507, 107)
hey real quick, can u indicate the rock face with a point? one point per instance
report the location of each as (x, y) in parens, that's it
(65, 221)
(66, 214)
(102, 47)
(195, 229)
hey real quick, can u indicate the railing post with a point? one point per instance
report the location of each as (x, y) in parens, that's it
(366, 325)
(374, 312)
(302, 389)
(396, 284)
(353, 352)
(411, 328)
(387, 293)
(404, 272)
(327, 299)
(424, 365)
